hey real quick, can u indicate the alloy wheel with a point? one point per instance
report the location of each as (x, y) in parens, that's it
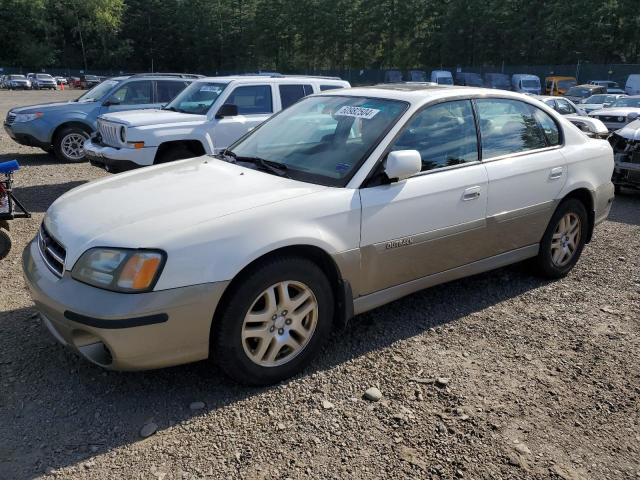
(565, 239)
(72, 146)
(280, 323)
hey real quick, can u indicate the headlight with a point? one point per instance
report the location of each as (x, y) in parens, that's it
(119, 269)
(123, 134)
(27, 117)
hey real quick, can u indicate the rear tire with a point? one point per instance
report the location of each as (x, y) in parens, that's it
(563, 241)
(274, 321)
(68, 145)
(179, 152)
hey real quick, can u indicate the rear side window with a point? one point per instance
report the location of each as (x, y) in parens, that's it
(508, 126)
(564, 107)
(252, 99)
(324, 88)
(290, 94)
(444, 134)
(134, 93)
(166, 90)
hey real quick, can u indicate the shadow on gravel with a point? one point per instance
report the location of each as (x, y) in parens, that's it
(57, 410)
(626, 208)
(38, 198)
(29, 158)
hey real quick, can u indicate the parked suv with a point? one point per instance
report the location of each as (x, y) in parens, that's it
(88, 81)
(206, 117)
(43, 80)
(580, 92)
(63, 127)
(15, 82)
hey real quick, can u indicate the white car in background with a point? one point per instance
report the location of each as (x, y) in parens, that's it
(621, 112)
(341, 203)
(204, 118)
(591, 127)
(599, 101)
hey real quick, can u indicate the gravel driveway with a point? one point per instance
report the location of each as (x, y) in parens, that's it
(497, 376)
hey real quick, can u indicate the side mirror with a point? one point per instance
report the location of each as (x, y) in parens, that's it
(402, 164)
(227, 110)
(111, 101)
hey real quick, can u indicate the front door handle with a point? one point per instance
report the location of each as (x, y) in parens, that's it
(556, 173)
(471, 193)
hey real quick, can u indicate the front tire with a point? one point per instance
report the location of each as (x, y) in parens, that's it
(5, 243)
(274, 321)
(564, 240)
(68, 145)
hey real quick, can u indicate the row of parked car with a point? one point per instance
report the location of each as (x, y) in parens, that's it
(39, 81)
(176, 116)
(554, 85)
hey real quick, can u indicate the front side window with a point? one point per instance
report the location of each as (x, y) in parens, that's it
(508, 126)
(167, 90)
(133, 93)
(566, 84)
(322, 139)
(444, 134)
(197, 98)
(290, 94)
(252, 99)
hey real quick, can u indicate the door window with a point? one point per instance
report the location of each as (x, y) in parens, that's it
(252, 99)
(134, 93)
(324, 88)
(444, 134)
(290, 94)
(508, 126)
(167, 90)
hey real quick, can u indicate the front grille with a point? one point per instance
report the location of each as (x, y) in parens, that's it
(53, 253)
(10, 118)
(109, 133)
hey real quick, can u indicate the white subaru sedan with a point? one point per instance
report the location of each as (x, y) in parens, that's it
(339, 204)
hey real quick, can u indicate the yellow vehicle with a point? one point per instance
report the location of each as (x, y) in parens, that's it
(558, 85)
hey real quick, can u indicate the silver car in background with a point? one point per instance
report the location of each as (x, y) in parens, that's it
(621, 112)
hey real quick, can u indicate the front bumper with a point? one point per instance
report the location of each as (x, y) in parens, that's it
(119, 159)
(123, 331)
(24, 135)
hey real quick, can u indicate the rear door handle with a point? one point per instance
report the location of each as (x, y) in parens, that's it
(556, 173)
(471, 193)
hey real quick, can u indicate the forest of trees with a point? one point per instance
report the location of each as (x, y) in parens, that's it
(312, 35)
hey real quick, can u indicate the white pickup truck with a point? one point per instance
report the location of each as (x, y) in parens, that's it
(205, 118)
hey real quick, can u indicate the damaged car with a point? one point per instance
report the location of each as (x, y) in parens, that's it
(626, 149)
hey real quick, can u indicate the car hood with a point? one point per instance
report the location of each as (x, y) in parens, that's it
(630, 131)
(149, 207)
(55, 106)
(616, 111)
(139, 118)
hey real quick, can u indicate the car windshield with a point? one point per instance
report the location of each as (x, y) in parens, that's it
(566, 84)
(322, 139)
(17, 77)
(44, 76)
(531, 83)
(197, 98)
(445, 81)
(599, 99)
(99, 91)
(627, 102)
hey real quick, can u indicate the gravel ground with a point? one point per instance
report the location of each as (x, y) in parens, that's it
(501, 375)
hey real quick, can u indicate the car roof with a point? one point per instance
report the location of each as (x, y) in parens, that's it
(271, 78)
(416, 93)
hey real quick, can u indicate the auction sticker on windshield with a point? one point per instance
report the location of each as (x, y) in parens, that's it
(357, 112)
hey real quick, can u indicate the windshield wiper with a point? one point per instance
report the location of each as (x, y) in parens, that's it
(269, 166)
